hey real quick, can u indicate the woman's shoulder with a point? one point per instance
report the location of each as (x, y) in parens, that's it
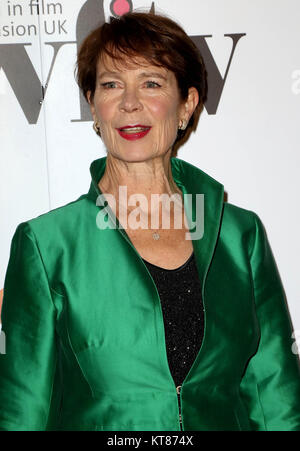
(238, 221)
(59, 219)
(240, 215)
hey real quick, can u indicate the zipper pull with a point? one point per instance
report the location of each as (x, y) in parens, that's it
(178, 397)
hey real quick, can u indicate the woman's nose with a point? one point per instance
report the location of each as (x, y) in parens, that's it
(130, 101)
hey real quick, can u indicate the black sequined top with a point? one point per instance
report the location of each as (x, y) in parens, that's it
(180, 294)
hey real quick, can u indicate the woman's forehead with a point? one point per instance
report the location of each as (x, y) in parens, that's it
(123, 64)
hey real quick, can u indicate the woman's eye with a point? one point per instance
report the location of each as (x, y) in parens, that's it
(108, 84)
(153, 84)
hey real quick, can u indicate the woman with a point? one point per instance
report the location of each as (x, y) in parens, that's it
(114, 327)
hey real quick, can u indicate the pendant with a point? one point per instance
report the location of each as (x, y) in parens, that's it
(155, 236)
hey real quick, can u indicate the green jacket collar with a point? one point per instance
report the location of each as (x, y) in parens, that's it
(190, 180)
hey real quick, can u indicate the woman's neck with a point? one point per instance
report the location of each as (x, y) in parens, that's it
(149, 177)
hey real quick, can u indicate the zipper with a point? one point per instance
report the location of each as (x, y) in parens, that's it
(179, 405)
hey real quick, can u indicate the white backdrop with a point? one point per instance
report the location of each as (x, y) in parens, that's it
(250, 143)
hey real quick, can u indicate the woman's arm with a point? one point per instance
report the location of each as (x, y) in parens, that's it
(28, 321)
(271, 384)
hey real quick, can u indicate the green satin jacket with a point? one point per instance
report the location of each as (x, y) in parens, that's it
(85, 343)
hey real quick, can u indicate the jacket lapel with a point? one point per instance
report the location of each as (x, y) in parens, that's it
(192, 180)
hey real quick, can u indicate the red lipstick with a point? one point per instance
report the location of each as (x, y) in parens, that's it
(134, 132)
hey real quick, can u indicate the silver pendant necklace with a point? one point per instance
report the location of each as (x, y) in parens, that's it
(156, 236)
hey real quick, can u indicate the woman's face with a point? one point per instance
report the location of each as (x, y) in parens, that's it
(142, 95)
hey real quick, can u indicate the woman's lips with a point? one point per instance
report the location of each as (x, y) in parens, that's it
(133, 135)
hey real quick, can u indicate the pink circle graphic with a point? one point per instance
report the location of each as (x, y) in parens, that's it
(120, 7)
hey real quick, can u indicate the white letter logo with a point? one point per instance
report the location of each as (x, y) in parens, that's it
(296, 344)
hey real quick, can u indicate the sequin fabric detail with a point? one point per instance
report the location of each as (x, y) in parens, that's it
(180, 294)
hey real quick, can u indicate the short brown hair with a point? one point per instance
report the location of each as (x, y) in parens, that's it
(158, 39)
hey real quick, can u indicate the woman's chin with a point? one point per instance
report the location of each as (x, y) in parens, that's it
(132, 155)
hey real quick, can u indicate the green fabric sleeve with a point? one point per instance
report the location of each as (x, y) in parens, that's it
(270, 387)
(28, 320)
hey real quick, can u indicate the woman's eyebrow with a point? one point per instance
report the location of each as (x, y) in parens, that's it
(152, 74)
(142, 75)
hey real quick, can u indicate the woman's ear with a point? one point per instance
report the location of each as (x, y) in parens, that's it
(91, 103)
(189, 105)
(88, 95)
(192, 101)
